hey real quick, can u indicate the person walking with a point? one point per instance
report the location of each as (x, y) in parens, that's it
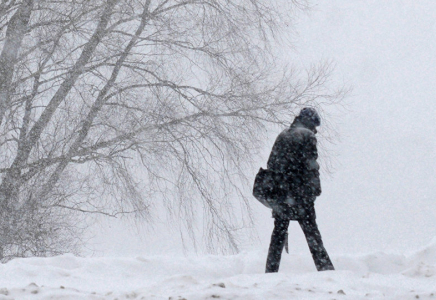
(294, 155)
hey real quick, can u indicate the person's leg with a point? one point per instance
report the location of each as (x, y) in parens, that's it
(276, 246)
(313, 236)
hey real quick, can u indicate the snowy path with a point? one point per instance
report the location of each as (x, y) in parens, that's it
(371, 276)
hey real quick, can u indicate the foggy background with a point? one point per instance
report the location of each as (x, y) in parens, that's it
(381, 193)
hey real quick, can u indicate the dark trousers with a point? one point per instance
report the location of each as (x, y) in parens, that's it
(313, 237)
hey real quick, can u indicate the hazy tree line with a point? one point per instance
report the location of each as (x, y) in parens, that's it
(109, 106)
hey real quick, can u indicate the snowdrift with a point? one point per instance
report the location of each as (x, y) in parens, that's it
(370, 276)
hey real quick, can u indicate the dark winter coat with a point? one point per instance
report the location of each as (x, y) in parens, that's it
(295, 153)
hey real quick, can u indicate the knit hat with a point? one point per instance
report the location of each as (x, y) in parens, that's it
(310, 115)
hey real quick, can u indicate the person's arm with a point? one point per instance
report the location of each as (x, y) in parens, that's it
(311, 167)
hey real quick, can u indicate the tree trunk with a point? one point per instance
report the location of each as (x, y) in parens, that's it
(14, 36)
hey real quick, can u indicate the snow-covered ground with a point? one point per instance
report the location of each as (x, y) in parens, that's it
(370, 276)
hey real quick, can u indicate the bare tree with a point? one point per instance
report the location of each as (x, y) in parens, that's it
(93, 93)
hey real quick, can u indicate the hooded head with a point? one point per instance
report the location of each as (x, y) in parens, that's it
(309, 117)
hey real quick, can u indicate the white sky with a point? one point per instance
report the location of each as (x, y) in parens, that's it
(382, 195)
